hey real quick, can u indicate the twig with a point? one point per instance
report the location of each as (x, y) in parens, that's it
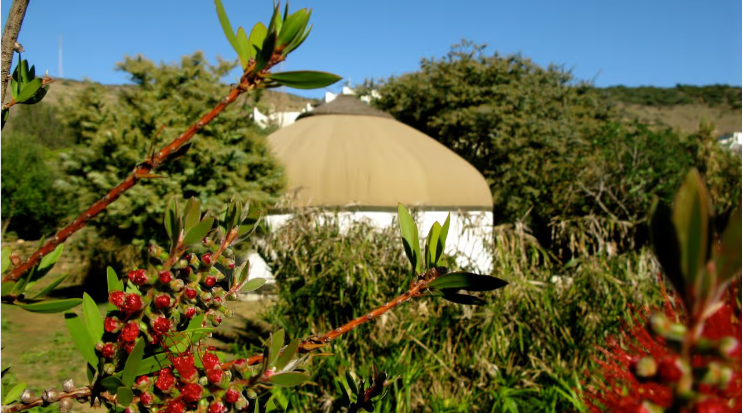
(82, 393)
(10, 36)
(248, 82)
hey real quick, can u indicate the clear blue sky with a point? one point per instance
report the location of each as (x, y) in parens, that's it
(646, 42)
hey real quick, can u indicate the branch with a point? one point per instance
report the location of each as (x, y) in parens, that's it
(10, 36)
(141, 171)
(81, 394)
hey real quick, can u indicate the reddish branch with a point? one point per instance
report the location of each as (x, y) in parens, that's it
(141, 171)
(82, 393)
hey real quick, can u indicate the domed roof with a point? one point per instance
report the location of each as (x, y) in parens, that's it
(346, 153)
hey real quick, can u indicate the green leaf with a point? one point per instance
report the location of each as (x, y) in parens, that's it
(288, 379)
(264, 57)
(29, 90)
(243, 44)
(36, 97)
(81, 338)
(409, 233)
(432, 245)
(172, 221)
(154, 363)
(442, 236)
(298, 40)
(253, 284)
(288, 354)
(275, 343)
(195, 322)
(51, 286)
(14, 393)
(132, 363)
(666, 245)
(46, 265)
(197, 233)
(691, 219)
(257, 36)
(90, 372)
(53, 306)
(124, 396)
(7, 287)
(192, 212)
(291, 26)
(728, 255)
(276, 20)
(5, 114)
(351, 383)
(226, 26)
(93, 319)
(466, 281)
(463, 298)
(5, 259)
(305, 79)
(111, 383)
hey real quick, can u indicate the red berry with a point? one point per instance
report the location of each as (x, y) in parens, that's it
(191, 392)
(231, 396)
(710, 406)
(111, 324)
(130, 332)
(190, 293)
(185, 366)
(165, 380)
(162, 301)
(165, 276)
(108, 350)
(207, 258)
(116, 298)
(217, 407)
(176, 406)
(231, 265)
(214, 375)
(210, 361)
(161, 325)
(669, 369)
(210, 281)
(190, 312)
(138, 277)
(132, 303)
(147, 398)
(142, 380)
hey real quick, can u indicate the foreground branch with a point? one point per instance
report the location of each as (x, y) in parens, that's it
(10, 36)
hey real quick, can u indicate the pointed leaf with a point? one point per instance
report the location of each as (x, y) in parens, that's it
(467, 281)
(275, 343)
(90, 372)
(287, 354)
(305, 79)
(292, 26)
(132, 363)
(124, 396)
(409, 234)
(257, 36)
(114, 283)
(728, 254)
(5, 259)
(243, 45)
(81, 338)
(463, 298)
(14, 393)
(192, 212)
(197, 233)
(111, 383)
(298, 40)
(50, 287)
(29, 90)
(442, 236)
(432, 241)
(276, 20)
(351, 383)
(253, 284)
(666, 245)
(52, 306)
(152, 364)
(226, 26)
(267, 48)
(93, 319)
(288, 379)
(691, 219)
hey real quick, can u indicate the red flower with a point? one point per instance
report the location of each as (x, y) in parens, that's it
(185, 366)
(711, 405)
(161, 325)
(165, 276)
(191, 392)
(165, 380)
(217, 407)
(176, 406)
(214, 375)
(210, 361)
(116, 298)
(232, 396)
(190, 293)
(147, 398)
(132, 303)
(130, 332)
(108, 350)
(669, 369)
(162, 301)
(138, 277)
(190, 312)
(111, 324)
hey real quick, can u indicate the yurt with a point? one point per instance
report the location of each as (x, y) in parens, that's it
(345, 155)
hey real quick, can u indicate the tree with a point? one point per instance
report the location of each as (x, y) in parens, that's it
(232, 156)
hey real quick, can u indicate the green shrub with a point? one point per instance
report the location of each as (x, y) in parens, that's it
(231, 156)
(523, 350)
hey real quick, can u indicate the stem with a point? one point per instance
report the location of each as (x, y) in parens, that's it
(10, 36)
(417, 289)
(141, 171)
(79, 393)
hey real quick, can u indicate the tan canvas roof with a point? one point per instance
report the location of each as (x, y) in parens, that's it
(371, 160)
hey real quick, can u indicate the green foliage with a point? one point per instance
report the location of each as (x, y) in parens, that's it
(33, 204)
(725, 96)
(524, 349)
(230, 155)
(42, 122)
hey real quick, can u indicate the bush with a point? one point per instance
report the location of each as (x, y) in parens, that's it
(231, 156)
(523, 350)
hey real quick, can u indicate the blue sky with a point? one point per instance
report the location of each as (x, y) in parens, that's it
(650, 42)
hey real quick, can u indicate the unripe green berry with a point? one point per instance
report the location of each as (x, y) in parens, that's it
(646, 367)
